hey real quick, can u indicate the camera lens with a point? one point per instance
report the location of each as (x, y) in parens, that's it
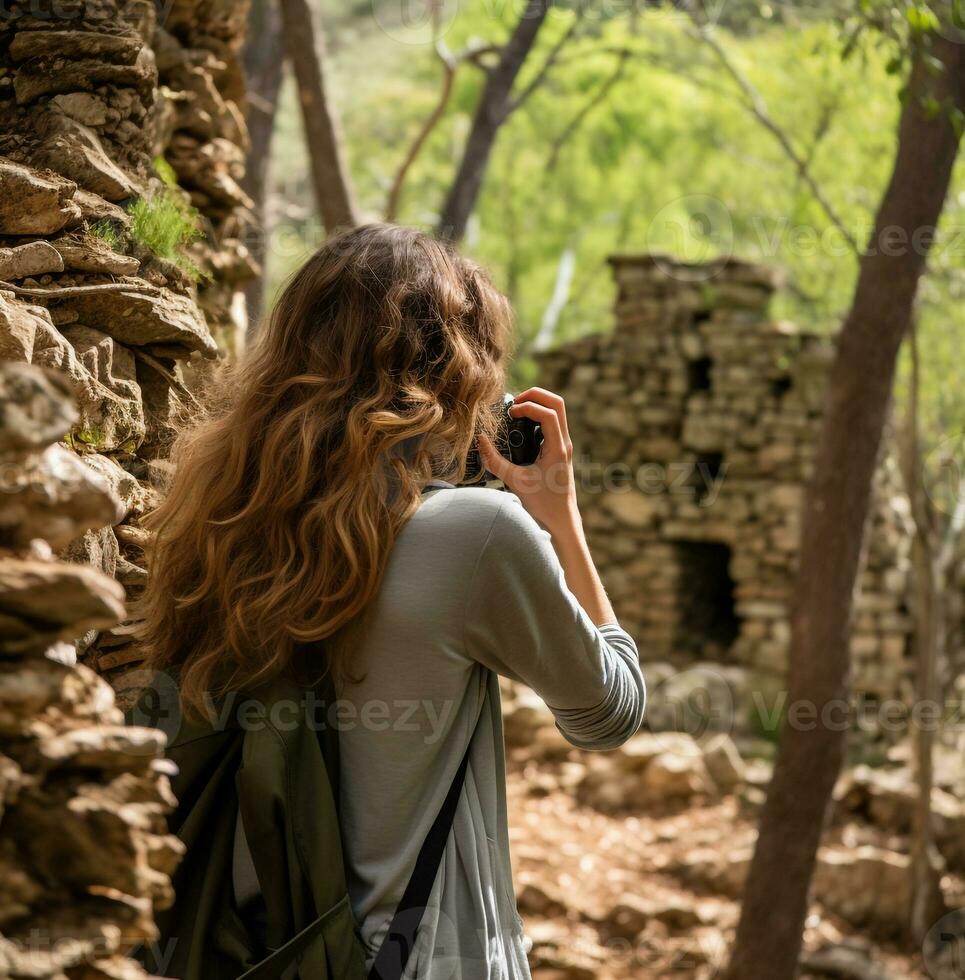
(515, 438)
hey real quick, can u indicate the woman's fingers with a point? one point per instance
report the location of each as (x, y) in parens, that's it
(555, 442)
(547, 409)
(548, 399)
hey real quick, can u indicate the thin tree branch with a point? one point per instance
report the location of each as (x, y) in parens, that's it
(259, 103)
(448, 77)
(594, 100)
(450, 64)
(544, 69)
(659, 60)
(821, 130)
(755, 104)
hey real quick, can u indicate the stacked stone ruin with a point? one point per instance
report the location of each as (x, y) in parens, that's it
(694, 424)
(102, 342)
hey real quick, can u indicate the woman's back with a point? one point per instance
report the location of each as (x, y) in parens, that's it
(472, 586)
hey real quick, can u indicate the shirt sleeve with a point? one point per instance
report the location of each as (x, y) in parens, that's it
(523, 622)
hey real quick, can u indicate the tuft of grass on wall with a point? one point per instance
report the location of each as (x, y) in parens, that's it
(107, 232)
(164, 223)
(165, 171)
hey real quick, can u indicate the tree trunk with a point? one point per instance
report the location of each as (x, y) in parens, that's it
(927, 865)
(323, 133)
(493, 109)
(809, 757)
(927, 903)
(263, 72)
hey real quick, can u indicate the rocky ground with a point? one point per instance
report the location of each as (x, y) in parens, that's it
(630, 864)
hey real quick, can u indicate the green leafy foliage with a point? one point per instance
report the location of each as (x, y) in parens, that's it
(921, 18)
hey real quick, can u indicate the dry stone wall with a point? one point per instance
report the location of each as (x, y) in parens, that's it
(203, 136)
(106, 329)
(84, 855)
(94, 94)
(694, 424)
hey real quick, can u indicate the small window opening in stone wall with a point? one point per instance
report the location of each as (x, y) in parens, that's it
(708, 623)
(698, 374)
(781, 386)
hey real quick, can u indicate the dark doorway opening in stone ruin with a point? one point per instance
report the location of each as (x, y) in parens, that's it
(698, 374)
(709, 624)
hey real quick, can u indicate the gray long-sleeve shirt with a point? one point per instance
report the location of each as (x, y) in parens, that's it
(473, 586)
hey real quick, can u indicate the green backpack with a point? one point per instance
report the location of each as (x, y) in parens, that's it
(260, 766)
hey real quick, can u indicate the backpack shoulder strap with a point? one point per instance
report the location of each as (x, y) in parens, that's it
(274, 965)
(399, 941)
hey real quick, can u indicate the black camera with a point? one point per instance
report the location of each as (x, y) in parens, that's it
(519, 440)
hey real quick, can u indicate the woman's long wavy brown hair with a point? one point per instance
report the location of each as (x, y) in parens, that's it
(375, 373)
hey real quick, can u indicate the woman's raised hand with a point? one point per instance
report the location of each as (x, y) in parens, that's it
(547, 488)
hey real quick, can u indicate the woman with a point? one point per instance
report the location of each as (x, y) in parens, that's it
(318, 510)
